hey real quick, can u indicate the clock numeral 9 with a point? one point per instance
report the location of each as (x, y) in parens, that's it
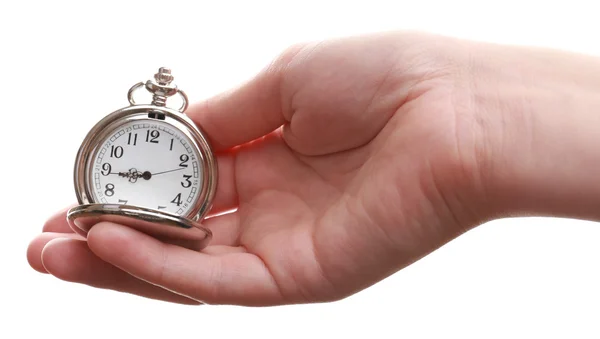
(151, 136)
(177, 200)
(116, 152)
(110, 190)
(106, 169)
(184, 158)
(187, 183)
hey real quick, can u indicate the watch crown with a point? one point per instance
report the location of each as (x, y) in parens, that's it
(161, 88)
(163, 77)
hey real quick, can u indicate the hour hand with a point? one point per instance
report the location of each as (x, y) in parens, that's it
(133, 175)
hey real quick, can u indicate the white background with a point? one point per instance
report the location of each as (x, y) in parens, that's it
(65, 65)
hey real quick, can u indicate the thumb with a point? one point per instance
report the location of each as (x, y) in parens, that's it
(250, 111)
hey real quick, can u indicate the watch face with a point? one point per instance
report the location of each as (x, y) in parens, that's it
(147, 163)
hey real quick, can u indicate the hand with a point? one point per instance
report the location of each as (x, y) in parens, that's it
(348, 160)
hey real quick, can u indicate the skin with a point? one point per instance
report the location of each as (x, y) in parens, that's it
(350, 159)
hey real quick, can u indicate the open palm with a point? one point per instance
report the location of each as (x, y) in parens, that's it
(344, 160)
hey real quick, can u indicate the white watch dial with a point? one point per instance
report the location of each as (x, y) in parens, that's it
(147, 163)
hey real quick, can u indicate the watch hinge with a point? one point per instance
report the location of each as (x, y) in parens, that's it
(156, 115)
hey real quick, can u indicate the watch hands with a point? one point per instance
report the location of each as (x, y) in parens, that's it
(133, 174)
(177, 169)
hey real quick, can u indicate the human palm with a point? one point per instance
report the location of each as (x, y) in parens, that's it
(345, 161)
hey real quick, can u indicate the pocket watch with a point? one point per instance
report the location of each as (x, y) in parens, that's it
(148, 167)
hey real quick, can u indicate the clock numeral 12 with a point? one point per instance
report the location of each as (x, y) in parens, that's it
(151, 136)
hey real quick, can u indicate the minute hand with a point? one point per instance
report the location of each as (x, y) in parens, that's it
(177, 169)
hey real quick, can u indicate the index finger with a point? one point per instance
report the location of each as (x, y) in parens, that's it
(57, 223)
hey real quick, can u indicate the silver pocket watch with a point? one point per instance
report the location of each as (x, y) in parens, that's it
(148, 167)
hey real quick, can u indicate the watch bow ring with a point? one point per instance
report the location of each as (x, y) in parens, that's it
(148, 167)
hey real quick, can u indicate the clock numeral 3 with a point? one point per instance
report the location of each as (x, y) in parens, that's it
(187, 183)
(177, 200)
(110, 190)
(151, 136)
(116, 152)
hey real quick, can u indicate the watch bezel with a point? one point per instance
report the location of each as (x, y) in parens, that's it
(177, 120)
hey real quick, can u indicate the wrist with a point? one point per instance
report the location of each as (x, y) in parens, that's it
(543, 129)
